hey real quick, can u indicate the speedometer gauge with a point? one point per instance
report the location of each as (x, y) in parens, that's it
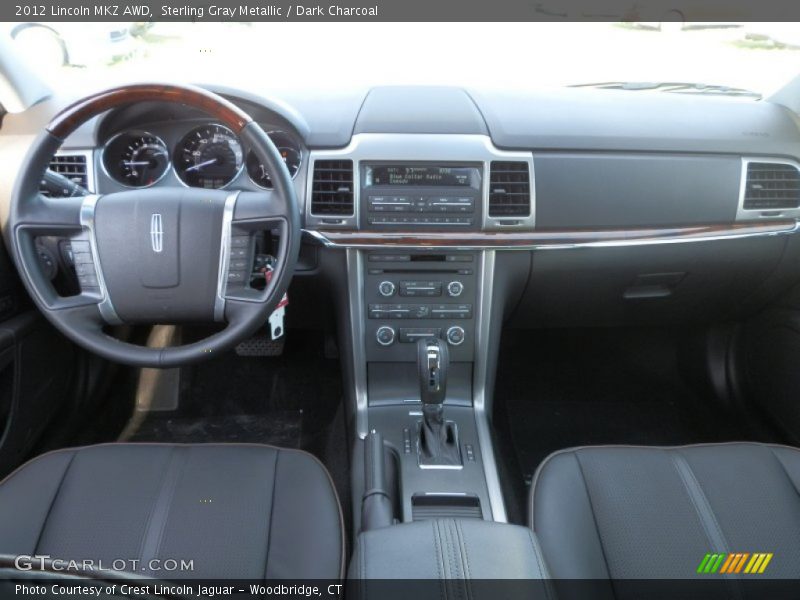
(209, 157)
(289, 151)
(136, 158)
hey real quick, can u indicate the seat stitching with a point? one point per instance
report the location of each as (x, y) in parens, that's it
(271, 512)
(543, 575)
(53, 502)
(159, 517)
(458, 554)
(465, 559)
(452, 554)
(705, 512)
(785, 471)
(594, 516)
(152, 511)
(363, 561)
(439, 570)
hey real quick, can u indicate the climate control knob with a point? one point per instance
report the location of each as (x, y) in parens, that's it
(386, 289)
(454, 289)
(385, 335)
(455, 335)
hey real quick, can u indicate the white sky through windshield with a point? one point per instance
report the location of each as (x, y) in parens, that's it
(759, 57)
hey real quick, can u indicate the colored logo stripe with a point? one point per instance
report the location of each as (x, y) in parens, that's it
(735, 562)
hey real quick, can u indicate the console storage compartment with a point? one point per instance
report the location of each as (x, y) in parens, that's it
(451, 553)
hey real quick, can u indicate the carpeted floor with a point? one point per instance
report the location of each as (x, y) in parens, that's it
(563, 388)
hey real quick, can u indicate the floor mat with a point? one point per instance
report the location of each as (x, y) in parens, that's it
(588, 387)
(277, 428)
(285, 401)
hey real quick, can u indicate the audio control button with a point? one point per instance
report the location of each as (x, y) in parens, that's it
(454, 288)
(455, 335)
(386, 289)
(385, 335)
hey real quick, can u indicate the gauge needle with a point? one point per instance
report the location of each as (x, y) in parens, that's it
(201, 165)
(136, 163)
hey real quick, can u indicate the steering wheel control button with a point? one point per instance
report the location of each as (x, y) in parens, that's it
(385, 335)
(240, 241)
(80, 258)
(386, 289)
(236, 276)
(454, 289)
(87, 281)
(455, 335)
(80, 246)
(420, 288)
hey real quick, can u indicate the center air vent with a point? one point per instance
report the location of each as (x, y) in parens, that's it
(771, 186)
(332, 189)
(73, 167)
(509, 189)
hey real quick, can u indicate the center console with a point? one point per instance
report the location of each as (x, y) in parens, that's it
(407, 290)
(412, 295)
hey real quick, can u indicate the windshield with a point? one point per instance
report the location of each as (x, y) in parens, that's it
(750, 56)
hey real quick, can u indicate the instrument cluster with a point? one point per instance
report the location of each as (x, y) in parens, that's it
(207, 156)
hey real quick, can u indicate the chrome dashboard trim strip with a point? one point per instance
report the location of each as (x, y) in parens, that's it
(105, 306)
(480, 402)
(374, 240)
(224, 256)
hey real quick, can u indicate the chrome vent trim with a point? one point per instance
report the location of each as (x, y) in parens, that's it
(509, 189)
(769, 188)
(333, 188)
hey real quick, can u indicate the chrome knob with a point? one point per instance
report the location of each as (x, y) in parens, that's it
(385, 335)
(455, 335)
(454, 288)
(386, 289)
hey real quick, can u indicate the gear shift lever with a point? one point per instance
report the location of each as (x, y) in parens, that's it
(438, 439)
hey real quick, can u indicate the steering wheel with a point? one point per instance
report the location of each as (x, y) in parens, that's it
(156, 255)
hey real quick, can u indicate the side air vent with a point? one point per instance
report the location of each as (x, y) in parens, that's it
(771, 186)
(332, 188)
(509, 189)
(71, 166)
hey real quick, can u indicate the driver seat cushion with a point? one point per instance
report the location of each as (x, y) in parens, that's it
(626, 512)
(239, 511)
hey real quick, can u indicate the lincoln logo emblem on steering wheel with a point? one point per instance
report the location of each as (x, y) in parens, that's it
(156, 232)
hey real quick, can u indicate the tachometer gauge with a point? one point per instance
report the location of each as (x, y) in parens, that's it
(136, 158)
(288, 150)
(209, 157)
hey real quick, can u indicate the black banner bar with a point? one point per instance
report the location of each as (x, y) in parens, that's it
(401, 10)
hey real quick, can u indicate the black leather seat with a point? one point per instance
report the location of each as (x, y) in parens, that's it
(237, 511)
(637, 512)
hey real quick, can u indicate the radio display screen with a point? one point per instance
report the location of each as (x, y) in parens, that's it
(431, 176)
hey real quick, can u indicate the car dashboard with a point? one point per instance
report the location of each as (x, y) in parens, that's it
(455, 214)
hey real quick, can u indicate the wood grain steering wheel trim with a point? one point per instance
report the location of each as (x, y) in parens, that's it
(74, 115)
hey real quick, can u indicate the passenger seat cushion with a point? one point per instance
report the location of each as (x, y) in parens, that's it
(239, 511)
(644, 512)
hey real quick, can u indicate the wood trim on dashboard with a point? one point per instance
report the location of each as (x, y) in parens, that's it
(75, 115)
(553, 238)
